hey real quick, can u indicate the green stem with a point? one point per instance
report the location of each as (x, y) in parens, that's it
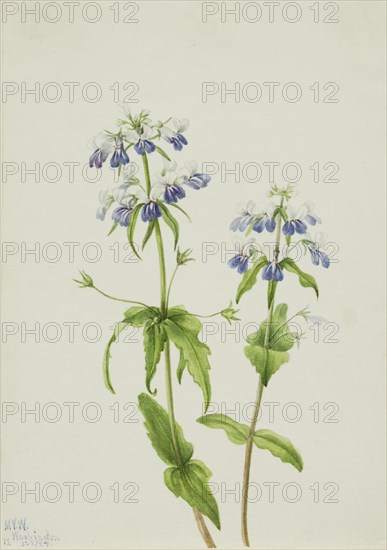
(146, 172)
(203, 529)
(168, 371)
(119, 299)
(170, 284)
(169, 390)
(257, 405)
(163, 277)
(207, 316)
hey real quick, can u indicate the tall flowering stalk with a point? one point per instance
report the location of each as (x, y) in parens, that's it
(268, 347)
(153, 202)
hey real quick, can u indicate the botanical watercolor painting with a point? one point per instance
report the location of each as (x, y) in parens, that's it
(193, 230)
(151, 203)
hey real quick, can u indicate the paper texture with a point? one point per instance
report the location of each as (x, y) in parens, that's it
(275, 93)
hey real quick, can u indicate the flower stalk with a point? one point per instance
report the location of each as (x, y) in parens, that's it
(257, 405)
(155, 203)
(164, 297)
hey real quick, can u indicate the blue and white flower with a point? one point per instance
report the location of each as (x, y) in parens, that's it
(314, 246)
(175, 135)
(247, 213)
(295, 222)
(102, 146)
(120, 156)
(141, 137)
(245, 252)
(106, 200)
(171, 187)
(124, 211)
(151, 209)
(192, 177)
(272, 272)
(310, 216)
(265, 219)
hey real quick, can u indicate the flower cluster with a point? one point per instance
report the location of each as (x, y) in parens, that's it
(169, 185)
(139, 132)
(286, 218)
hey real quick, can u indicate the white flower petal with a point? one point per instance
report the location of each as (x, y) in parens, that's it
(250, 207)
(270, 207)
(147, 131)
(165, 131)
(310, 206)
(321, 238)
(302, 212)
(184, 123)
(170, 165)
(192, 167)
(131, 136)
(124, 108)
(102, 196)
(139, 193)
(155, 192)
(292, 212)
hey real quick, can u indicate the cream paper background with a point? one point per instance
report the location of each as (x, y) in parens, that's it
(169, 53)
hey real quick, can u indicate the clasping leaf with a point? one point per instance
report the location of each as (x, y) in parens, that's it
(305, 279)
(279, 446)
(182, 329)
(236, 432)
(250, 277)
(159, 432)
(191, 484)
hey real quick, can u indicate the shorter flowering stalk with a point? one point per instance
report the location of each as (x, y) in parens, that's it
(257, 404)
(268, 347)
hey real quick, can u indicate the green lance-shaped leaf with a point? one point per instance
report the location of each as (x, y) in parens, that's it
(171, 221)
(154, 340)
(107, 356)
(149, 231)
(191, 483)
(113, 227)
(181, 210)
(236, 432)
(131, 228)
(162, 153)
(266, 361)
(159, 432)
(250, 277)
(182, 329)
(135, 316)
(279, 446)
(305, 279)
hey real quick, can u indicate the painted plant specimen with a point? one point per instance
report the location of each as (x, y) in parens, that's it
(267, 348)
(154, 203)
